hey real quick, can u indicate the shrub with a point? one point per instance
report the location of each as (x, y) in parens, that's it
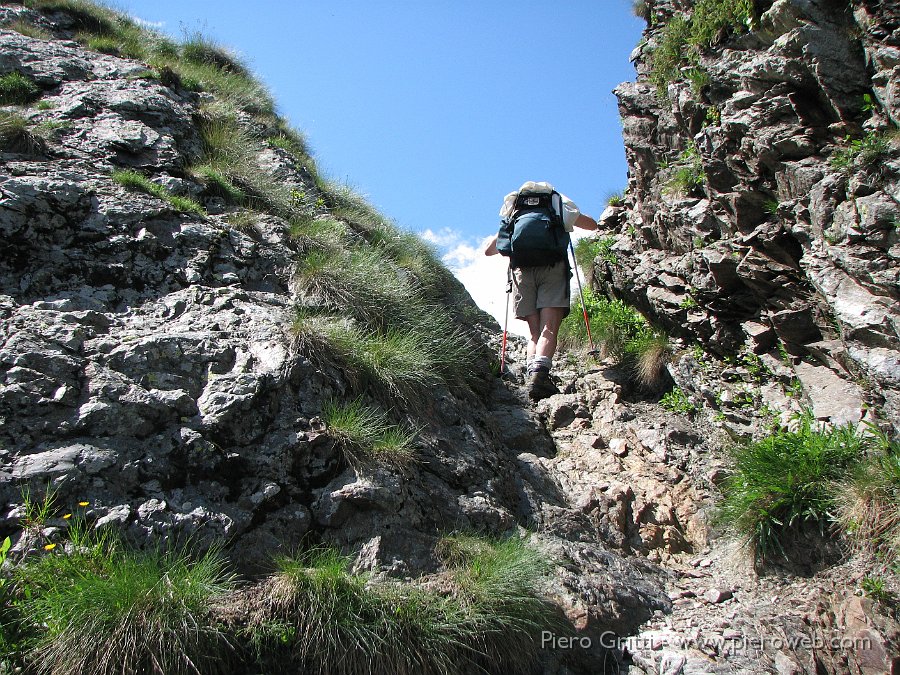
(586, 251)
(868, 504)
(784, 480)
(126, 612)
(132, 180)
(16, 89)
(615, 199)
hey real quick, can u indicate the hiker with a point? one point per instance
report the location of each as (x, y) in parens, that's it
(540, 277)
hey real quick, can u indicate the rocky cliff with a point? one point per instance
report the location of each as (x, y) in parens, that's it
(762, 202)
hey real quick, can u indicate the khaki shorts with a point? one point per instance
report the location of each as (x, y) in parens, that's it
(538, 287)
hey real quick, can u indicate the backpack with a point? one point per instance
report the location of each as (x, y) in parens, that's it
(533, 235)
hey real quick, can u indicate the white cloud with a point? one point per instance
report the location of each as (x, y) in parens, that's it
(154, 25)
(485, 279)
(445, 238)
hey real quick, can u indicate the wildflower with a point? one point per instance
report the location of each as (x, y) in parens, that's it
(49, 547)
(83, 503)
(67, 516)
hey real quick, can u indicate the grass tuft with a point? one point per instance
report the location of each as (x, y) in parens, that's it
(16, 89)
(230, 160)
(678, 53)
(868, 502)
(17, 136)
(132, 180)
(784, 481)
(366, 435)
(651, 354)
(620, 333)
(28, 29)
(126, 612)
(199, 49)
(323, 618)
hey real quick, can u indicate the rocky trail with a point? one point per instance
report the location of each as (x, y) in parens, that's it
(642, 480)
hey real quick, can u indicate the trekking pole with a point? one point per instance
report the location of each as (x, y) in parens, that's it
(505, 322)
(587, 323)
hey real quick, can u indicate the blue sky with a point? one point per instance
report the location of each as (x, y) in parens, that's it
(435, 110)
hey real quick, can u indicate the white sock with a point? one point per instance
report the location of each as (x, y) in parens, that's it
(540, 362)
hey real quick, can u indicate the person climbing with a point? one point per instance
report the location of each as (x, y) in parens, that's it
(539, 269)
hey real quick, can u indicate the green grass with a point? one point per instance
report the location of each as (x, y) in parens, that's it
(711, 18)
(241, 91)
(88, 16)
(496, 582)
(318, 616)
(678, 53)
(17, 89)
(229, 162)
(396, 362)
(677, 401)
(358, 281)
(365, 434)
(16, 135)
(28, 29)
(125, 611)
(414, 340)
(201, 50)
(689, 176)
(861, 152)
(670, 55)
(132, 180)
(785, 480)
(868, 502)
(618, 328)
(218, 184)
(615, 198)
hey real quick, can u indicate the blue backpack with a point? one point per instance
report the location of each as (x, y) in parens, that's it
(533, 235)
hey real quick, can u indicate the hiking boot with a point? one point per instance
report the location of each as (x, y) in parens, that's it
(540, 385)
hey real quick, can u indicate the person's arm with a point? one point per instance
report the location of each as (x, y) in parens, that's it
(492, 247)
(585, 222)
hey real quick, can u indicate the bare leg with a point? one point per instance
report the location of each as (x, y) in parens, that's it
(549, 321)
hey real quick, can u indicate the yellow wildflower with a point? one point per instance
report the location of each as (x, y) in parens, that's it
(49, 547)
(83, 503)
(67, 516)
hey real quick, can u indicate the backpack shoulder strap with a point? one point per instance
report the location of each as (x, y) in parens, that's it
(559, 211)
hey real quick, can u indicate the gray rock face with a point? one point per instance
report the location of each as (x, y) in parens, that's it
(780, 244)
